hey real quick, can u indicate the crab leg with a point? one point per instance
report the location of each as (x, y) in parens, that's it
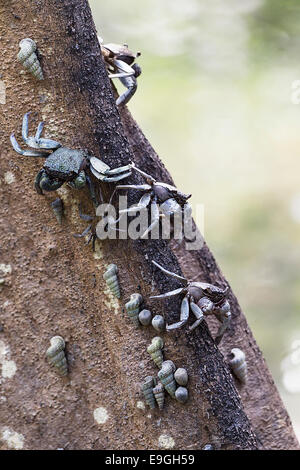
(92, 191)
(143, 203)
(84, 233)
(39, 130)
(25, 126)
(141, 187)
(48, 144)
(142, 173)
(154, 219)
(198, 314)
(126, 70)
(168, 294)
(26, 153)
(40, 143)
(169, 272)
(131, 85)
(223, 327)
(108, 179)
(121, 169)
(87, 218)
(184, 315)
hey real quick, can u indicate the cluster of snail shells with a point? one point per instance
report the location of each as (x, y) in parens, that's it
(111, 279)
(56, 355)
(143, 317)
(28, 58)
(168, 375)
(171, 377)
(239, 365)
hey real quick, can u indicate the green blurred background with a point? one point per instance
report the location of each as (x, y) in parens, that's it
(219, 99)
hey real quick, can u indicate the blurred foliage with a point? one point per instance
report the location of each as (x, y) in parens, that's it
(215, 101)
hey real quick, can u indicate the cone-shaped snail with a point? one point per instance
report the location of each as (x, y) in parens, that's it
(155, 350)
(111, 278)
(238, 364)
(58, 209)
(147, 389)
(168, 361)
(133, 307)
(166, 376)
(28, 58)
(159, 394)
(56, 355)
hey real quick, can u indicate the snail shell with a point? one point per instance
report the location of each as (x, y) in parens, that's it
(28, 58)
(238, 364)
(155, 350)
(159, 323)
(166, 376)
(159, 395)
(58, 209)
(111, 278)
(147, 389)
(182, 394)
(145, 317)
(171, 363)
(181, 376)
(56, 355)
(133, 307)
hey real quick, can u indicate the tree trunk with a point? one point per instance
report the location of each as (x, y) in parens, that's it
(53, 283)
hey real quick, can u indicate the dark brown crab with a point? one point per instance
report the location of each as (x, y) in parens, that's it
(119, 60)
(202, 299)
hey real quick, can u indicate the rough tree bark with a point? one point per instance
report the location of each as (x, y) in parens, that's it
(53, 283)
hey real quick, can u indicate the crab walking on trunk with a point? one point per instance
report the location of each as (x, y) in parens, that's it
(65, 165)
(119, 61)
(202, 299)
(163, 199)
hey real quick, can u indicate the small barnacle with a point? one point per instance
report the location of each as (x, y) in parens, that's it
(182, 394)
(181, 376)
(58, 209)
(159, 323)
(56, 355)
(238, 364)
(111, 278)
(155, 350)
(145, 317)
(147, 389)
(133, 307)
(166, 376)
(28, 58)
(159, 395)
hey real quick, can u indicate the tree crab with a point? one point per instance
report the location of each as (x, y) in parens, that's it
(165, 200)
(202, 299)
(119, 60)
(64, 165)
